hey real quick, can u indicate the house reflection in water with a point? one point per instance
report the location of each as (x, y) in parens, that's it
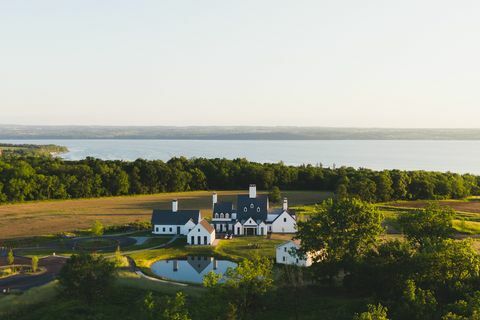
(191, 268)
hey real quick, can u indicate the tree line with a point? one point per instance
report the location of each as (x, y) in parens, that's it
(39, 178)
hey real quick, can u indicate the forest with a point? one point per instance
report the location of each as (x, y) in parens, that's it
(25, 178)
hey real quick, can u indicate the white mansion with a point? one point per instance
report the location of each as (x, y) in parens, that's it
(252, 215)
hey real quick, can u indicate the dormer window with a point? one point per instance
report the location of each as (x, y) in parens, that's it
(251, 206)
(226, 216)
(216, 215)
(221, 216)
(258, 209)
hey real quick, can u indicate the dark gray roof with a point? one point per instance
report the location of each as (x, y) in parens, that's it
(288, 212)
(199, 263)
(244, 201)
(167, 217)
(223, 207)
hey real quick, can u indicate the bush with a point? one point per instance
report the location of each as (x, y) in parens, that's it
(87, 276)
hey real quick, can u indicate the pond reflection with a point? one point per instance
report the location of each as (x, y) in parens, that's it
(191, 268)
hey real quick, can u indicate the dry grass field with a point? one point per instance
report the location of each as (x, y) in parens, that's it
(470, 205)
(50, 217)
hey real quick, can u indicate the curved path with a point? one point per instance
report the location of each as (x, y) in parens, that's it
(52, 264)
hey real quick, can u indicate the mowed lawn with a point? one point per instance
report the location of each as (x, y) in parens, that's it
(50, 217)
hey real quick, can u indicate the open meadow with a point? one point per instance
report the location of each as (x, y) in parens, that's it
(50, 217)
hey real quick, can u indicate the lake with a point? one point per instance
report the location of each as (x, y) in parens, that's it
(190, 269)
(455, 156)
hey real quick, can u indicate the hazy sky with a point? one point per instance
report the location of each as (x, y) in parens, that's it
(403, 63)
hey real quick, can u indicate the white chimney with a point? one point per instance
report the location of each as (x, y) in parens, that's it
(252, 192)
(285, 204)
(175, 205)
(214, 198)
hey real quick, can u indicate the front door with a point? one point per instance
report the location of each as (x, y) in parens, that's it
(178, 230)
(251, 231)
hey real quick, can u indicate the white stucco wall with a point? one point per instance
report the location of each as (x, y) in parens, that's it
(284, 255)
(166, 229)
(284, 224)
(200, 231)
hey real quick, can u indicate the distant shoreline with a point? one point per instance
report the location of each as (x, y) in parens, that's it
(19, 132)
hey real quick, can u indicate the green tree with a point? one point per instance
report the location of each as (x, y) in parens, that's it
(416, 303)
(10, 257)
(119, 259)
(149, 306)
(384, 186)
(34, 263)
(248, 282)
(175, 308)
(465, 309)
(450, 269)
(375, 312)
(291, 278)
(87, 276)
(275, 195)
(343, 229)
(423, 226)
(97, 228)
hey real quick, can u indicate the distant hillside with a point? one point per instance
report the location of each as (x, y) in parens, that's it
(232, 133)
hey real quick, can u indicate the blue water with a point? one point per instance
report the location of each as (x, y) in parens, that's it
(455, 156)
(190, 269)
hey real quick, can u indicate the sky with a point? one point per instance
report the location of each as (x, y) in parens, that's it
(338, 63)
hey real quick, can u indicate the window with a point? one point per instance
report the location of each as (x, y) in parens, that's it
(198, 230)
(205, 241)
(283, 258)
(245, 209)
(216, 215)
(189, 230)
(258, 209)
(221, 216)
(192, 240)
(170, 229)
(284, 219)
(270, 228)
(296, 260)
(285, 249)
(157, 229)
(226, 216)
(251, 205)
(238, 230)
(163, 229)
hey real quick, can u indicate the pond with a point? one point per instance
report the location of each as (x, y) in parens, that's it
(191, 268)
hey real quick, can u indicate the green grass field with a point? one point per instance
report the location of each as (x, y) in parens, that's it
(235, 250)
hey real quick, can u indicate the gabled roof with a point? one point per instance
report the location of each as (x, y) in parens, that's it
(223, 207)
(259, 210)
(199, 263)
(297, 242)
(168, 217)
(204, 223)
(281, 214)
